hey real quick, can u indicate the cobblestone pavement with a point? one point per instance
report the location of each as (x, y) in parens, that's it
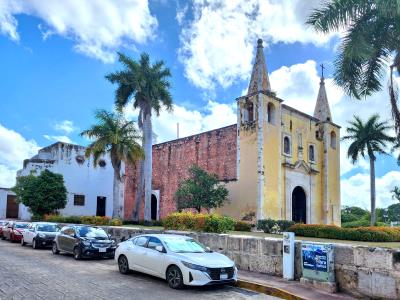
(38, 274)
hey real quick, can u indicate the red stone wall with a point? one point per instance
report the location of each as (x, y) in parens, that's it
(214, 151)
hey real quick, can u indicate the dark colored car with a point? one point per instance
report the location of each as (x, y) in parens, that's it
(84, 241)
(13, 231)
(3, 223)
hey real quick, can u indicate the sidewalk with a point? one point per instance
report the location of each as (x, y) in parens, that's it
(279, 287)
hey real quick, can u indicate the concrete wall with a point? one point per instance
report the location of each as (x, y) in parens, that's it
(80, 177)
(360, 271)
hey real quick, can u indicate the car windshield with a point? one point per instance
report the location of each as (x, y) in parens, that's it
(20, 225)
(48, 228)
(91, 232)
(182, 245)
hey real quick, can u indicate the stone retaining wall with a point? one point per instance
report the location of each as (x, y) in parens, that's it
(360, 271)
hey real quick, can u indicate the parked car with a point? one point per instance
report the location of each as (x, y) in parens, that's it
(178, 259)
(13, 231)
(3, 223)
(40, 234)
(84, 241)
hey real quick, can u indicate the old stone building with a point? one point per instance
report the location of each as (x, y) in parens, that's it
(277, 162)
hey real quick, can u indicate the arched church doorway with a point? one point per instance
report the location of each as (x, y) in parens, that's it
(299, 206)
(154, 205)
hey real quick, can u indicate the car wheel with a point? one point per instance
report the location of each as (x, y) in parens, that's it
(34, 244)
(22, 242)
(174, 277)
(123, 265)
(77, 253)
(54, 249)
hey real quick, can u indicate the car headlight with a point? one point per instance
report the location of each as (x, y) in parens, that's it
(194, 267)
(41, 235)
(86, 243)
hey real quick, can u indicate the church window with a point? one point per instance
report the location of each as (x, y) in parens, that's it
(250, 112)
(333, 140)
(311, 153)
(286, 146)
(271, 114)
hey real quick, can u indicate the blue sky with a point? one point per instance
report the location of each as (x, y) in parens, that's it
(54, 58)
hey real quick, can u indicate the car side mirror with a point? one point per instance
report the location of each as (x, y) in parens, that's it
(160, 248)
(208, 249)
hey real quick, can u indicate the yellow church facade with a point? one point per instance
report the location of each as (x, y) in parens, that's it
(288, 162)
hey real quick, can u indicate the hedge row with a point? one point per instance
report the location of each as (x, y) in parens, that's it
(274, 226)
(199, 222)
(361, 223)
(367, 234)
(91, 220)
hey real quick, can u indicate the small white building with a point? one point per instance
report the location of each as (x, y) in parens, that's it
(90, 189)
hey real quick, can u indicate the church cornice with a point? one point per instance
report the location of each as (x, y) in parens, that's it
(267, 93)
(300, 164)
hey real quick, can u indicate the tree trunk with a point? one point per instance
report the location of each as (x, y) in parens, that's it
(373, 194)
(139, 192)
(393, 103)
(116, 199)
(148, 141)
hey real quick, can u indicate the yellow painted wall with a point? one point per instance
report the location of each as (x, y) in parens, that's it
(243, 193)
(272, 162)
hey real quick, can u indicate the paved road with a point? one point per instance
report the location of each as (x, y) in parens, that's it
(38, 274)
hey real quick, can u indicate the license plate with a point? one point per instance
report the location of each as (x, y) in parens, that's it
(102, 249)
(223, 276)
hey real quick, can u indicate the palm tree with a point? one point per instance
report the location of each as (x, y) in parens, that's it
(368, 138)
(372, 39)
(147, 86)
(117, 137)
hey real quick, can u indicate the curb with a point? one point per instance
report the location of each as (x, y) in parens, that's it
(268, 290)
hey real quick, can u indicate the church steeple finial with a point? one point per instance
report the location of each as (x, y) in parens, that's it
(259, 76)
(322, 110)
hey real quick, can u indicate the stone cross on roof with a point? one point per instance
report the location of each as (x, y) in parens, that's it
(259, 76)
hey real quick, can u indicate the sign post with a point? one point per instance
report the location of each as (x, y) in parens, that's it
(288, 255)
(318, 265)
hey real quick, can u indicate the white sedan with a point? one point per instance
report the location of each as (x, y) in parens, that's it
(180, 260)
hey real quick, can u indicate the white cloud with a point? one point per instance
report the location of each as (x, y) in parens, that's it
(65, 126)
(14, 148)
(360, 183)
(214, 115)
(97, 28)
(218, 44)
(58, 138)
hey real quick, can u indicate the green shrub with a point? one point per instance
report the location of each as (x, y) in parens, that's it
(368, 234)
(90, 220)
(360, 223)
(242, 226)
(199, 222)
(274, 226)
(115, 222)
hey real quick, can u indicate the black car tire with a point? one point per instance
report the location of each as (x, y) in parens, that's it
(22, 242)
(175, 278)
(34, 244)
(123, 264)
(77, 253)
(54, 249)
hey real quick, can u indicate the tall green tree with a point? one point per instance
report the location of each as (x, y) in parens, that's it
(367, 140)
(200, 190)
(147, 86)
(369, 48)
(117, 137)
(43, 194)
